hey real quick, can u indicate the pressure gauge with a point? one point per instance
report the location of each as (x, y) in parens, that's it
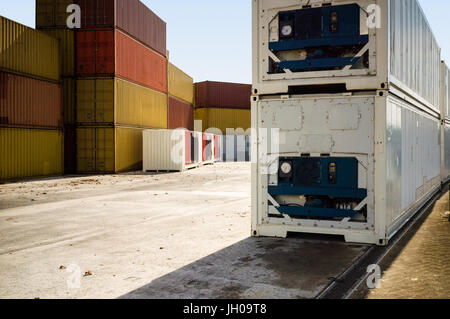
(286, 30)
(286, 168)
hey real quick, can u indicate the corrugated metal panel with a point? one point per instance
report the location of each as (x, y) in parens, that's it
(70, 150)
(221, 94)
(132, 16)
(108, 150)
(98, 54)
(27, 51)
(181, 85)
(27, 102)
(139, 64)
(139, 106)
(68, 95)
(95, 100)
(95, 52)
(158, 146)
(415, 53)
(66, 39)
(224, 118)
(116, 101)
(52, 13)
(446, 92)
(128, 149)
(30, 152)
(180, 114)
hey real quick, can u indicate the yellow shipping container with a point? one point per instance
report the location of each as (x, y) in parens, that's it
(223, 118)
(30, 153)
(52, 13)
(29, 52)
(68, 86)
(108, 150)
(66, 39)
(115, 101)
(181, 85)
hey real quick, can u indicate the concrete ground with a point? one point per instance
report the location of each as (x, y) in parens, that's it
(419, 266)
(137, 235)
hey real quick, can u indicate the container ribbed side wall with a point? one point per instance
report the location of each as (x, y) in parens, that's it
(181, 85)
(131, 16)
(28, 52)
(30, 153)
(108, 149)
(164, 150)
(27, 102)
(222, 94)
(415, 53)
(116, 101)
(224, 119)
(52, 13)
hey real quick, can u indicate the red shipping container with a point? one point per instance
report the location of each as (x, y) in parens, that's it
(29, 103)
(222, 94)
(181, 114)
(113, 53)
(131, 16)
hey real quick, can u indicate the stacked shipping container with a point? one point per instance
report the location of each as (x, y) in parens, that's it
(31, 135)
(181, 99)
(51, 18)
(121, 85)
(223, 105)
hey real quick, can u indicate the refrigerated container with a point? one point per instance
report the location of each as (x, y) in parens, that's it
(445, 119)
(27, 102)
(28, 52)
(30, 153)
(336, 46)
(171, 150)
(228, 121)
(359, 166)
(114, 101)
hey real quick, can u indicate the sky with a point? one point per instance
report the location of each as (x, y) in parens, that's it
(211, 39)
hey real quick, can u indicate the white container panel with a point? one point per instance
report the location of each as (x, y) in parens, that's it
(446, 151)
(164, 150)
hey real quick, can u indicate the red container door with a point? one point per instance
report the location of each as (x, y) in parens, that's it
(187, 143)
(104, 59)
(96, 13)
(86, 48)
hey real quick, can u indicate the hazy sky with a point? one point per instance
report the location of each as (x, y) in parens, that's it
(211, 39)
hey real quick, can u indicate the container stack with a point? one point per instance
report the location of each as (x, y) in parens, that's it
(226, 107)
(223, 105)
(51, 18)
(121, 85)
(31, 136)
(181, 99)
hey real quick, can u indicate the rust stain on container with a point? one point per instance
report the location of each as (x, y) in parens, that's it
(131, 16)
(181, 114)
(111, 52)
(222, 94)
(27, 102)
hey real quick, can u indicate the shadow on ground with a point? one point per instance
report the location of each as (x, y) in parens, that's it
(258, 268)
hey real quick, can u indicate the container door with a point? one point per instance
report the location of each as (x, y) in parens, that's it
(104, 58)
(86, 50)
(105, 145)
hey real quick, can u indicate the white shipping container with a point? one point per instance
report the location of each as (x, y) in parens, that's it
(386, 44)
(171, 150)
(353, 165)
(445, 91)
